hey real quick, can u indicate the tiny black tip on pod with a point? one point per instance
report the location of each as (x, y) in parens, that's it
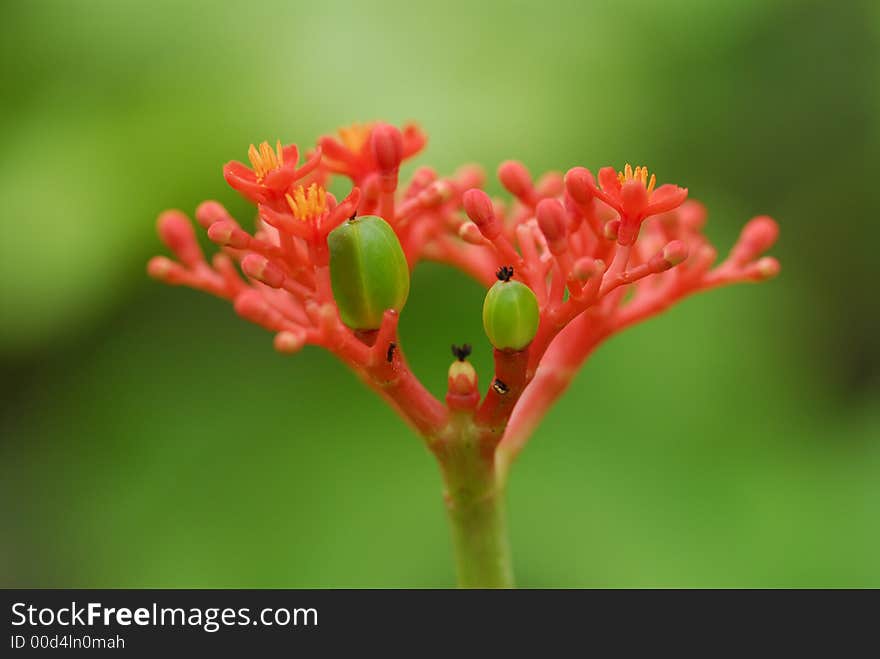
(505, 272)
(461, 352)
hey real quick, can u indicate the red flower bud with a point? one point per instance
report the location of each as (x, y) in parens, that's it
(587, 267)
(580, 184)
(670, 256)
(612, 228)
(176, 231)
(675, 252)
(552, 220)
(757, 237)
(470, 233)
(261, 269)
(289, 342)
(437, 193)
(479, 208)
(692, 215)
(228, 234)
(252, 306)
(550, 184)
(209, 212)
(766, 268)
(515, 177)
(387, 144)
(159, 267)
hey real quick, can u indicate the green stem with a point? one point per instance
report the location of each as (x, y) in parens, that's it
(475, 507)
(479, 537)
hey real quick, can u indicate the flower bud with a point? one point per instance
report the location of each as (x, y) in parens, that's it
(228, 234)
(159, 267)
(462, 378)
(552, 220)
(515, 177)
(289, 342)
(580, 184)
(462, 375)
(587, 267)
(551, 184)
(176, 231)
(368, 271)
(510, 313)
(692, 215)
(470, 233)
(437, 193)
(611, 229)
(766, 268)
(479, 208)
(421, 178)
(758, 235)
(252, 306)
(674, 252)
(469, 176)
(260, 268)
(209, 212)
(387, 144)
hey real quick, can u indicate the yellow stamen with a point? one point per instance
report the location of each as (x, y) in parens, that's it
(639, 174)
(307, 204)
(355, 136)
(264, 159)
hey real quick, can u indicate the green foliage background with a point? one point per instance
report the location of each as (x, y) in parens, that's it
(148, 437)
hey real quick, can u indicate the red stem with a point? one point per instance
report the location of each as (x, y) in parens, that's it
(385, 370)
(507, 386)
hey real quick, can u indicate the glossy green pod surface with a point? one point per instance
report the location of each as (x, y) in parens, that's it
(368, 271)
(510, 315)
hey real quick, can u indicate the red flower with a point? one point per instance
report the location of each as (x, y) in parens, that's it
(351, 153)
(274, 170)
(631, 193)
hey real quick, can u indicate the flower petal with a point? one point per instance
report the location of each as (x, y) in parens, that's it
(291, 154)
(414, 140)
(608, 181)
(335, 150)
(314, 159)
(608, 190)
(285, 222)
(665, 198)
(279, 180)
(242, 179)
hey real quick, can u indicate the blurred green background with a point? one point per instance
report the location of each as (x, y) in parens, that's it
(152, 438)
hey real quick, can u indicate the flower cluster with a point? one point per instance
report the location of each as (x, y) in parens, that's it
(599, 253)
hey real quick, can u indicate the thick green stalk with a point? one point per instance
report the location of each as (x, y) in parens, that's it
(475, 507)
(479, 537)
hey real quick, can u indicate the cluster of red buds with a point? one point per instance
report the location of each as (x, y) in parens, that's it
(573, 258)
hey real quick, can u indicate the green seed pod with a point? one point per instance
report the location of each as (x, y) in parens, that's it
(510, 313)
(368, 271)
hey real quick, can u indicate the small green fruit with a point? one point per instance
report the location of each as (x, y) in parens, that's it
(368, 271)
(510, 313)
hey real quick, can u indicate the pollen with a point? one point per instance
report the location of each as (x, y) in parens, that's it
(639, 174)
(355, 136)
(264, 159)
(307, 203)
